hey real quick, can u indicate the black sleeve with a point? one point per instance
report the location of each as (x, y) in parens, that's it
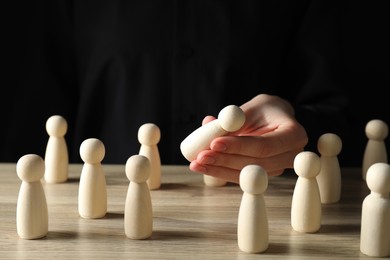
(313, 75)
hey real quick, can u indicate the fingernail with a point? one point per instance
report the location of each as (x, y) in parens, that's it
(207, 160)
(219, 147)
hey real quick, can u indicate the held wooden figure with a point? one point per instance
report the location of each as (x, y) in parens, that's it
(231, 118)
(252, 227)
(138, 221)
(375, 224)
(32, 219)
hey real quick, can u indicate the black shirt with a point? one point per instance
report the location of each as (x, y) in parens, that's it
(110, 66)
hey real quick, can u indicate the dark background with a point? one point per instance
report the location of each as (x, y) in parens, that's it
(365, 60)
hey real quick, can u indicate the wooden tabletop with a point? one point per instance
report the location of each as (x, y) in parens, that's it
(191, 220)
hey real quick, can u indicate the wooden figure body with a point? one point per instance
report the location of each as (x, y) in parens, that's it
(92, 198)
(32, 219)
(329, 178)
(252, 227)
(56, 154)
(138, 220)
(149, 136)
(376, 131)
(306, 201)
(375, 224)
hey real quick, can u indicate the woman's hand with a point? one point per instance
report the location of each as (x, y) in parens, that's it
(271, 137)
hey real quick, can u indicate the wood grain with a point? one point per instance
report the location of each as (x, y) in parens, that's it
(190, 220)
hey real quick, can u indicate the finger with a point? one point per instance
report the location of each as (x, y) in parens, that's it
(266, 145)
(208, 119)
(237, 162)
(228, 174)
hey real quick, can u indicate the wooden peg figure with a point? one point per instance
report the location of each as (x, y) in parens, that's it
(329, 178)
(56, 154)
(149, 136)
(32, 219)
(92, 199)
(138, 222)
(306, 201)
(230, 119)
(252, 227)
(213, 181)
(376, 131)
(375, 223)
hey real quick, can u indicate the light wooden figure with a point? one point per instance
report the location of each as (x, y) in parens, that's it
(375, 223)
(138, 219)
(32, 219)
(149, 135)
(252, 227)
(230, 119)
(92, 197)
(213, 181)
(56, 154)
(329, 178)
(376, 131)
(306, 202)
